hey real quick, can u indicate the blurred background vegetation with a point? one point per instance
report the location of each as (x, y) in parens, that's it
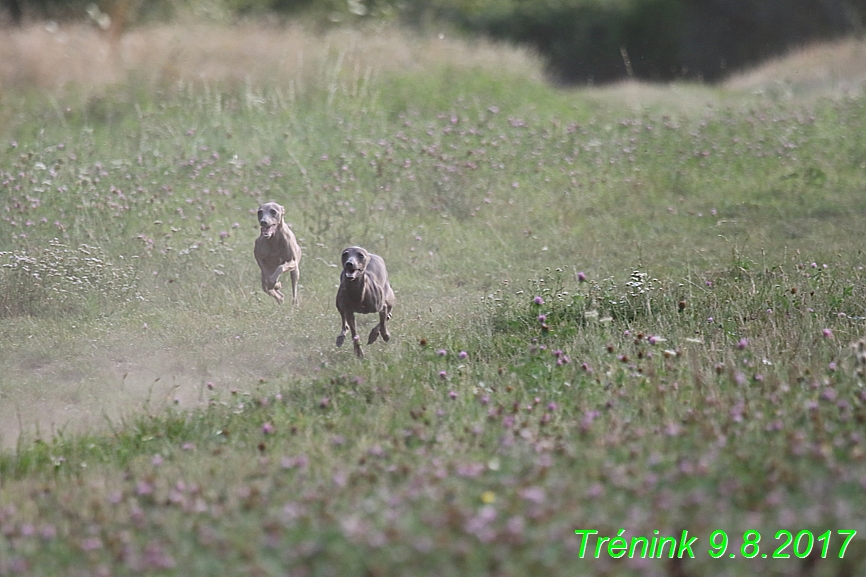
(583, 41)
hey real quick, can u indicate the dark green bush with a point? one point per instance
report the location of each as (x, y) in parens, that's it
(604, 40)
(593, 40)
(720, 36)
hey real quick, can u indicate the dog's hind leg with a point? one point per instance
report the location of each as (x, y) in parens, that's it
(374, 334)
(386, 336)
(295, 275)
(381, 328)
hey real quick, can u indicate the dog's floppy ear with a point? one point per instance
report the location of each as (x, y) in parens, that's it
(282, 211)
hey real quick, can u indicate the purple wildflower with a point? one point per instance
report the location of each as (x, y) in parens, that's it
(91, 544)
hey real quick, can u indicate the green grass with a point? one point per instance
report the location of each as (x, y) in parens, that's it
(700, 274)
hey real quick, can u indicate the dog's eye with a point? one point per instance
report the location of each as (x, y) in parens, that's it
(273, 212)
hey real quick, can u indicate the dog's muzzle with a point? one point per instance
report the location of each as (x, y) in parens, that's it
(350, 271)
(268, 230)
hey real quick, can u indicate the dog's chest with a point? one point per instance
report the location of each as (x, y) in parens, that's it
(275, 250)
(363, 295)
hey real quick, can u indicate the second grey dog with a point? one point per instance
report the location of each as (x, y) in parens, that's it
(277, 251)
(364, 288)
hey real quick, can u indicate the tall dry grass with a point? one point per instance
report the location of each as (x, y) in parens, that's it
(819, 69)
(51, 57)
(55, 57)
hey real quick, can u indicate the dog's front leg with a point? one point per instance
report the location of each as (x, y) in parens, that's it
(345, 327)
(272, 288)
(356, 340)
(270, 283)
(292, 266)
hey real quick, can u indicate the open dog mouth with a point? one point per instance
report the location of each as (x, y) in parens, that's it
(268, 230)
(351, 272)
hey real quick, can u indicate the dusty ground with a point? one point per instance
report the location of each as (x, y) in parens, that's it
(83, 383)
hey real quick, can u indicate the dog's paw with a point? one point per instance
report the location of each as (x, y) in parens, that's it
(374, 334)
(386, 336)
(358, 352)
(340, 340)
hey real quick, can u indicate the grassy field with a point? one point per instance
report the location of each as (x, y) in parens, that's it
(629, 310)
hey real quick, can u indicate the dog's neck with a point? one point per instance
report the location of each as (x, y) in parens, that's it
(357, 286)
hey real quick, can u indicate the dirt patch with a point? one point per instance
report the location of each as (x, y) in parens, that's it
(87, 394)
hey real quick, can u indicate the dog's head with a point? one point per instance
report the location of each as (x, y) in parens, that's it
(354, 260)
(270, 217)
